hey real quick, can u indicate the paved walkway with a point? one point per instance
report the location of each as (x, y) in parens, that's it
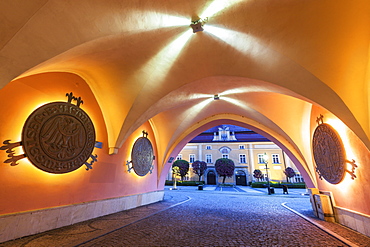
(191, 217)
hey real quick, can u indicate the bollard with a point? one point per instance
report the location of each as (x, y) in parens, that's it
(285, 189)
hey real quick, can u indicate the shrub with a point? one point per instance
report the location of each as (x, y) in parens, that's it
(257, 174)
(199, 168)
(184, 183)
(225, 168)
(278, 185)
(289, 173)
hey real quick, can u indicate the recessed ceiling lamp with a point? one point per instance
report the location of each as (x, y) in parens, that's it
(197, 25)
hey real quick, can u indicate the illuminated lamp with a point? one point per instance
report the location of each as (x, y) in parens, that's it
(265, 160)
(197, 25)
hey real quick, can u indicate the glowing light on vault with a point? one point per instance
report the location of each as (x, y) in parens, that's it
(242, 90)
(189, 115)
(244, 43)
(150, 20)
(185, 98)
(173, 21)
(216, 6)
(199, 96)
(158, 66)
(236, 102)
(202, 104)
(192, 111)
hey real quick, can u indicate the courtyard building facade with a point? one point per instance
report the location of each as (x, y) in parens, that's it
(247, 149)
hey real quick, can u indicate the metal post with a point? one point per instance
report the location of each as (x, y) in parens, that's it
(265, 158)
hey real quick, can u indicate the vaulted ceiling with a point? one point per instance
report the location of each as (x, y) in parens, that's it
(269, 61)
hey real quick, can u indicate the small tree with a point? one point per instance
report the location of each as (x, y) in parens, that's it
(175, 174)
(225, 168)
(257, 174)
(183, 166)
(289, 173)
(199, 168)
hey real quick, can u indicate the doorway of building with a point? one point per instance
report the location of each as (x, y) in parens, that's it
(241, 178)
(211, 178)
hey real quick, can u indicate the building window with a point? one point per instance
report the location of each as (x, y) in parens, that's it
(298, 178)
(191, 158)
(209, 158)
(242, 159)
(241, 147)
(275, 159)
(179, 157)
(260, 159)
(225, 152)
(208, 147)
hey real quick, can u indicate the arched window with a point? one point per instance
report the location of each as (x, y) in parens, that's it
(225, 150)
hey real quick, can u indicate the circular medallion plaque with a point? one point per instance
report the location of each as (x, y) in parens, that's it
(58, 137)
(142, 156)
(329, 154)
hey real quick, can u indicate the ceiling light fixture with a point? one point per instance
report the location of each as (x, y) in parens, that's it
(197, 25)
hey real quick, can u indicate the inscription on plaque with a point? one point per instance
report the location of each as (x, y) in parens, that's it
(58, 137)
(329, 154)
(142, 156)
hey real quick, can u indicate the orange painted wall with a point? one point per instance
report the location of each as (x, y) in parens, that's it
(25, 187)
(350, 194)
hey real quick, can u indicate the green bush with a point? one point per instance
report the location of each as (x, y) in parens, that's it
(278, 185)
(295, 186)
(226, 185)
(264, 184)
(184, 183)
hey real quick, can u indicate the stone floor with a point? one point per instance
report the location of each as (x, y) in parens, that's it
(209, 217)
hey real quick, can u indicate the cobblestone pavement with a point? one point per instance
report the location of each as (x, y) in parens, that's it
(245, 217)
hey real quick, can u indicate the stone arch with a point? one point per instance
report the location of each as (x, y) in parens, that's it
(287, 146)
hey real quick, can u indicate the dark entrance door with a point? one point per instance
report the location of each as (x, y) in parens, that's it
(211, 178)
(241, 178)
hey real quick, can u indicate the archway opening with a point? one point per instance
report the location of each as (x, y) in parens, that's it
(247, 149)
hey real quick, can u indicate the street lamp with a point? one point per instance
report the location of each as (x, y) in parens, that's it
(265, 160)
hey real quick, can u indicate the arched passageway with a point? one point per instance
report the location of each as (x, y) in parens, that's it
(248, 150)
(291, 150)
(139, 67)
